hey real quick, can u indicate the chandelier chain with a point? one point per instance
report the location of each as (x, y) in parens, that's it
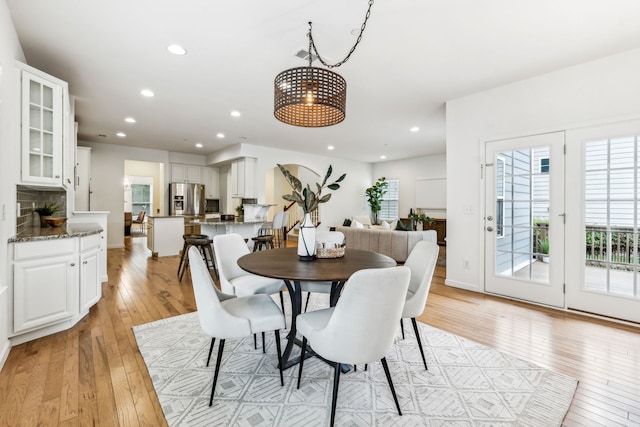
(312, 44)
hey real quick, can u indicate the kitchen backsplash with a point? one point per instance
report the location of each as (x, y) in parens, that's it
(30, 199)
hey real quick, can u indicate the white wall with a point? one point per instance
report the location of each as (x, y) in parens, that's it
(107, 176)
(407, 172)
(588, 94)
(347, 201)
(10, 50)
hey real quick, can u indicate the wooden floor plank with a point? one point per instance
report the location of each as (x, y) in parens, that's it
(93, 373)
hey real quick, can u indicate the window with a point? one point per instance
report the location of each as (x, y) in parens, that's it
(140, 198)
(544, 165)
(500, 184)
(389, 209)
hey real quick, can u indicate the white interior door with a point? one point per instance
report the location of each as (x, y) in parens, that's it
(603, 172)
(524, 218)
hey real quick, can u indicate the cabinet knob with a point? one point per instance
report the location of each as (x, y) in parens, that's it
(73, 264)
(57, 176)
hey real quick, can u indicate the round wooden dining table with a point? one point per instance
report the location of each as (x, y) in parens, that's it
(284, 264)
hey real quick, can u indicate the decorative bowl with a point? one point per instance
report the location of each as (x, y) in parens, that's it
(54, 222)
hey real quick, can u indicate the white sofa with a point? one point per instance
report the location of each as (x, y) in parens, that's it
(393, 243)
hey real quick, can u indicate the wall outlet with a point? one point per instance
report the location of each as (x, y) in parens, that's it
(465, 264)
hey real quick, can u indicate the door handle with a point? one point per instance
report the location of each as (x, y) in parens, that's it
(489, 218)
(489, 228)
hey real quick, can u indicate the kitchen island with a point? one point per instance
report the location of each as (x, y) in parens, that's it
(214, 227)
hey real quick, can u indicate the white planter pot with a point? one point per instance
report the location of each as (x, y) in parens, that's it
(307, 239)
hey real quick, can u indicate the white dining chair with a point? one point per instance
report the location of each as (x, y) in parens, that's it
(422, 263)
(361, 327)
(225, 316)
(227, 248)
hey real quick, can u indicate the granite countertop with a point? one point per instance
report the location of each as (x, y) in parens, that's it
(66, 231)
(219, 222)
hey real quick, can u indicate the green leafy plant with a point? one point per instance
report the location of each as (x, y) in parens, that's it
(305, 197)
(420, 217)
(240, 210)
(543, 246)
(374, 196)
(48, 209)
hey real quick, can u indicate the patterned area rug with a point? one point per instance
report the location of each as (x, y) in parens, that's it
(467, 384)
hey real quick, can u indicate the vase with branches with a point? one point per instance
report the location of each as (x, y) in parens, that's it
(309, 200)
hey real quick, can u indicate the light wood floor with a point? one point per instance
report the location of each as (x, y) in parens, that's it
(93, 374)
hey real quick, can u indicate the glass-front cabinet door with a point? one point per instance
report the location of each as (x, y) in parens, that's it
(42, 129)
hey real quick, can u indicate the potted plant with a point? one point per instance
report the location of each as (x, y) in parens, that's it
(543, 247)
(374, 196)
(308, 200)
(240, 210)
(420, 219)
(47, 210)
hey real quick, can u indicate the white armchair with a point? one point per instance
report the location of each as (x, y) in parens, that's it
(422, 263)
(361, 327)
(225, 316)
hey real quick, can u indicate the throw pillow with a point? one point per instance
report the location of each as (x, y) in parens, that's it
(346, 222)
(385, 225)
(356, 224)
(402, 227)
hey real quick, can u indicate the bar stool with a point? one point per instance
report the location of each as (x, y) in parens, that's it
(265, 241)
(203, 243)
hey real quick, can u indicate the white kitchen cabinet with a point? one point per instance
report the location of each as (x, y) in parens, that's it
(90, 286)
(44, 107)
(211, 182)
(186, 173)
(83, 179)
(45, 283)
(242, 177)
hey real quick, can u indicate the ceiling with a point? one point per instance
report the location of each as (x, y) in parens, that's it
(414, 56)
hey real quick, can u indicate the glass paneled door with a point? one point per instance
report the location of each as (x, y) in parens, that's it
(524, 218)
(603, 269)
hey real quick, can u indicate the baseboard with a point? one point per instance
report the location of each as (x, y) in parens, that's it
(462, 285)
(4, 353)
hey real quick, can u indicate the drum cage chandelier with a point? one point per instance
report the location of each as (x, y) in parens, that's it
(312, 96)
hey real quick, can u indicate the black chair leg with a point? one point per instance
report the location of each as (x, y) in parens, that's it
(304, 350)
(402, 328)
(255, 341)
(263, 346)
(307, 303)
(336, 383)
(282, 302)
(213, 341)
(215, 376)
(393, 390)
(415, 330)
(277, 332)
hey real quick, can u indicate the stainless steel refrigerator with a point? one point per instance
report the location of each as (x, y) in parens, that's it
(186, 199)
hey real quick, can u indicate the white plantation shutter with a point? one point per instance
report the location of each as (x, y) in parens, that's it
(389, 210)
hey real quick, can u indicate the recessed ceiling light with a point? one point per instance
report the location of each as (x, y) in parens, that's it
(414, 129)
(130, 120)
(220, 135)
(199, 145)
(331, 147)
(235, 113)
(383, 157)
(121, 134)
(148, 93)
(355, 32)
(176, 49)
